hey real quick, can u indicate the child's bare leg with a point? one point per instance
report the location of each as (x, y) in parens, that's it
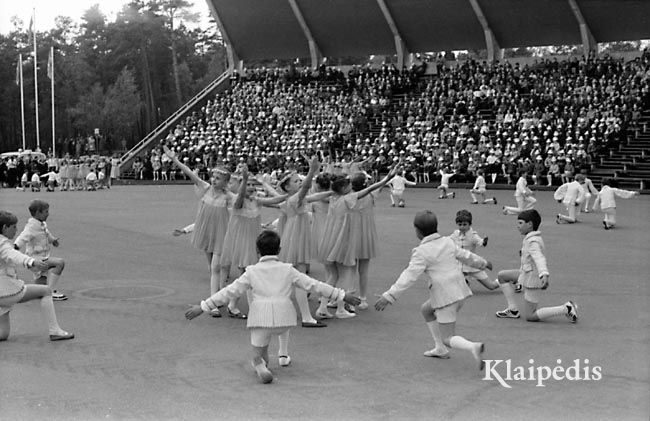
(233, 310)
(346, 275)
(485, 280)
(331, 277)
(303, 302)
(363, 266)
(215, 277)
(56, 269)
(440, 350)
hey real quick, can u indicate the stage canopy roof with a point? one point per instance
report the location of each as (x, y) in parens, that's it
(283, 29)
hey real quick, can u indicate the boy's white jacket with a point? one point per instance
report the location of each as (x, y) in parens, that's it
(438, 257)
(35, 238)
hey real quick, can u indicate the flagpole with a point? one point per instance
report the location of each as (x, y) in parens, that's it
(38, 136)
(22, 96)
(50, 73)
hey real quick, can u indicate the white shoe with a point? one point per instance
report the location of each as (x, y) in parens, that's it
(324, 314)
(284, 360)
(435, 353)
(477, 352)
(363, 305)
(262, 370)
(572, 311)
(344, 314)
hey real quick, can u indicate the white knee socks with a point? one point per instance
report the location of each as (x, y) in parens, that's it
(546, 312)
(461, 343)
(283, 344)
(303, 306)
(437, 336)
(47, 308)
(509, 292)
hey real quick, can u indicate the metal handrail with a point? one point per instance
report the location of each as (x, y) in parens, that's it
(162, 127)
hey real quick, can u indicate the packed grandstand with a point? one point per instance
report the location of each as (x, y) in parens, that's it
(555, 118)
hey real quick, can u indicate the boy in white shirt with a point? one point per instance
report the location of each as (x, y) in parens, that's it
(572, 195)
(36, 239)
(91, 181)
(590, 191)
(479, 189)
(271, 313)
(397, 186)
(35, 182)
(444, 184)
(438, 257)
(523, 196)
(607, 201)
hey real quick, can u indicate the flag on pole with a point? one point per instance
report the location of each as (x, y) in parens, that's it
(50, 64)
(30, 30)
(18, 72)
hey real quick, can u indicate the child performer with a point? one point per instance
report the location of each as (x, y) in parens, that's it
(36, 239)
(271, 283)
(607, 201)
(523, 196)
(363, 220)
(590, 191)
(479, 189)
(397, 186)
(319, 212)
(13, 290)
(338, 247)
(212, 217)
(444, 184)
(572, 195)
(295, 246)
(438, 257)
(466, 238)
(533, 274)
(244, 227)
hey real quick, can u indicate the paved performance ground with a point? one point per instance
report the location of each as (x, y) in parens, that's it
(136, 357)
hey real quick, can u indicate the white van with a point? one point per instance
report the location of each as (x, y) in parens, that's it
(22, 154)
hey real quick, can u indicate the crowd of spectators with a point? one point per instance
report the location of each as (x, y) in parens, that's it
(549, 118)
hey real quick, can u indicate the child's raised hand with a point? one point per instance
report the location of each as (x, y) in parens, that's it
(381, 303)
(314, 164)
(193, 311)
(352, 300)
(168, 151)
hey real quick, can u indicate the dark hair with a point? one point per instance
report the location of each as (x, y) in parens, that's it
(358, 181)
(339, 182)
(531, 215)
(426, 222)
(610, 182)
(37, 205)
(285, 178)
(268, 243)
(464, 215)
(7, 219)
(323, 180)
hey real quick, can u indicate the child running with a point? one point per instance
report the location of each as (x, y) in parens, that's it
(212, 216)
(36, 239)
(523, 196)
(245, 225)
(607, 201)
(397, 186)
(271, 283)
(466, 238)
(295, 245)
(13, 290)
(438, 257)
(533, 274)
(479, 189)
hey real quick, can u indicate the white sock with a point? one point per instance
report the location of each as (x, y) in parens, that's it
(490, 200)
(303, 306)
(283, 344)
(322, 305)
(546, 312)
(52, 280)
(509, 292)
(434, 328)
(461, 343)
(47, 308)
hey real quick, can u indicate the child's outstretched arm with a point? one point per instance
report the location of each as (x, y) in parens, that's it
(378, 184)
(272, 201)
(241, 195)
(318, 196)
(223, 296)
(185, 230)
(417, 266)
(184, 168)
(310, 284)
(471, 259)
(314, 166)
